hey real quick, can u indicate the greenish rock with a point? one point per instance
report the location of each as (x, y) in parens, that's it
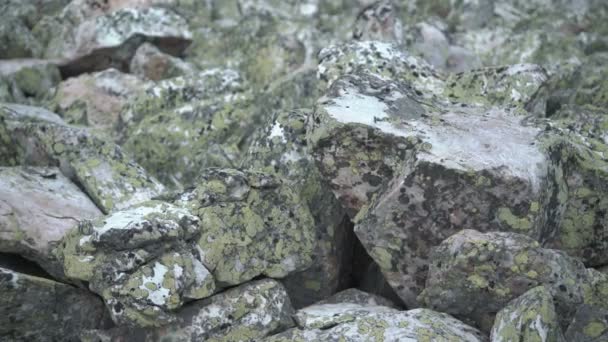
(253, 224)
(142, 261)
(16, 38)
(245, 313)
(352, 322)
(96, 99)
(38, 208)
(181, 126)
(94, 39)
(27, 81)
(151, 63)
(39, 309)
(280, 148)
(590, 324)
(110, 178)
(530, 317)
(474, 275)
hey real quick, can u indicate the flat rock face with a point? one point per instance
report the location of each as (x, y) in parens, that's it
(107, 175)
(281, 148)
(352, 322)
(530, 317)
(39, 206)
(93, 40)
(473, 275)
(38, 309)
(356, 296)
(245, 313)
(253, 224)
(588, 325)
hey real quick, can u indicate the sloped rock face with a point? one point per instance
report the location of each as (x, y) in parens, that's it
(39, 309)
(39, 207)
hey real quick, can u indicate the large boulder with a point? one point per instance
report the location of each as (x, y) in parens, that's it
(39, 206)
(245, 313)
(281, 148)
(39, 138)
(39, 309)
(474, 275)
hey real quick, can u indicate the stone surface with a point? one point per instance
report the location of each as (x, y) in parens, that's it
(151, 63)
(281, 148)
(588, 325)
(93, 39)
(531, 317)
(245, 313)
(39, 206)
(142, 261)
(356, 296)
(39, 309)
(107, 175)
(474, 275)
(27, 81)
(352, 322)
(97, 99)
(253, 224)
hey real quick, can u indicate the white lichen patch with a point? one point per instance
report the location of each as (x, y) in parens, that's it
(159, 295)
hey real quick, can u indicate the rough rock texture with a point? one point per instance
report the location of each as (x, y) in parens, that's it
(356, 296)
(89, 42)
(39, 206)
(38, 309)
(151, 63)
(473, 275)
(245, 313)
(352, 322)
(106, 174)
(531, 317)
(252, 224)
(590, 324)
(143, 261)
(182, 125)
(281, 148)
(97, 99)
(27, 81)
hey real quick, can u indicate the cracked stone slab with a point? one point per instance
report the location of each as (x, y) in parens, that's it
(142, 261)
(245, 313)
(38, 207)
(39, 309)
(110, 178)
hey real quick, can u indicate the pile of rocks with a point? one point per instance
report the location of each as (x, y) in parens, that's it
(304, 170)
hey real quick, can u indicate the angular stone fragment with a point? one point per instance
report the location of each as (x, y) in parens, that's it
(351, 322)
(151, 63)
(473, 275)
(281, 148)
(253, 224)
(590, 324)
(39, 206)
(97, 99)
(39, 309)
(142, 261)
(245, 313)
(531, 317)
(107, 175)
(95, 41)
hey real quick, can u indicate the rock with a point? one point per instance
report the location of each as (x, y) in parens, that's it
(97, 99)
(245, 313)
(142, 261)
(281, 148)
(89, 39)
(39, 206)
(38, 309)
(530, 317)
(27, 81)
(352, 322)
(106, 174)
(151, 63)
(588, 325)
(378, 21)
(253, 224)
(184, 125)
(474, 275)
(356, 296)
